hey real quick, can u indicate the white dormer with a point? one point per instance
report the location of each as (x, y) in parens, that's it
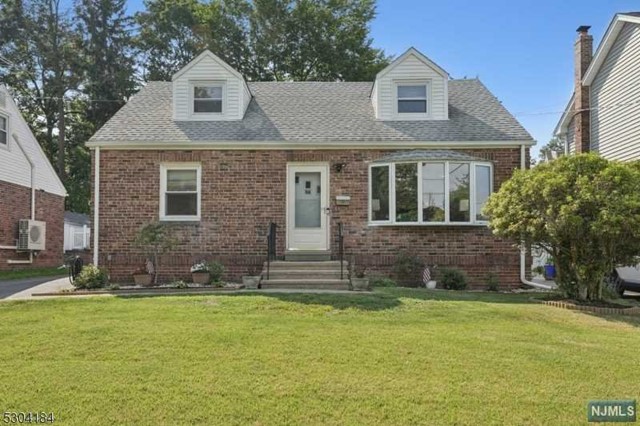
(209, 89)
(411, 88)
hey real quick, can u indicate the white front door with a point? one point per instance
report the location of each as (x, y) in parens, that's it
(308, 206)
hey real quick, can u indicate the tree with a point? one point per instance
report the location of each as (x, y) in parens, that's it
(108, 58)
(155, 239)
(263, 39)
(40, 45)
(174, 32)
(583, 210)
(553, 149)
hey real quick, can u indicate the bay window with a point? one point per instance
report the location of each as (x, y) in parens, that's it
(429, 192)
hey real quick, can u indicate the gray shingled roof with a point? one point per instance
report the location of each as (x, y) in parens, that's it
(313, 111)
(77, 218)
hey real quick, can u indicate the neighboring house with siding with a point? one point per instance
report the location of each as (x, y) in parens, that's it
(29, 189)
(402, 163)
(603, 114)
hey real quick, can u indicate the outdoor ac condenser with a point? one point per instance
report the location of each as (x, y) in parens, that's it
(31, 235)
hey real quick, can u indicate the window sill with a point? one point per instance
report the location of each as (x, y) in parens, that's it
(450, 224)
(184, 219)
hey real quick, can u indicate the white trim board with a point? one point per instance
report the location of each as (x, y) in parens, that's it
(320, 145)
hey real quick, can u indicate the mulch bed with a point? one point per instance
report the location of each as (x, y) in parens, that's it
(144, 290)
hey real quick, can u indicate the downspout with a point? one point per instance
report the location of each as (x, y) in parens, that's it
(523, 251)
(96, 205)
(33, 198)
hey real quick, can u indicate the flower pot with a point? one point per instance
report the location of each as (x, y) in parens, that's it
(431, 285)
(549, 272)
(360, 284)
(251, 281)
(143, 279)
(200, 277)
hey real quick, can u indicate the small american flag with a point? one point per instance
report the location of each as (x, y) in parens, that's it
(426, 276)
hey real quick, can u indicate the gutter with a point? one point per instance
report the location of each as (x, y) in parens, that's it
(33, 199)
(523, 251)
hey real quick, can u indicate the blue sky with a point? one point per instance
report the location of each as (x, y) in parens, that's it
(521, 50)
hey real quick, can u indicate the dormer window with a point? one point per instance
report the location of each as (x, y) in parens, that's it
(412, 98)
(4, 130)
(207, 98)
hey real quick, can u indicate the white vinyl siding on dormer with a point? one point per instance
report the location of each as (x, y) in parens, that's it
(206, 70)
(615, 91)
(14, 167)
(410, 70)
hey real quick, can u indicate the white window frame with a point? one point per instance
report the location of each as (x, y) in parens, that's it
(164, 167)
(7, 130)
(420, 222)
(206, 83)
(427, 99)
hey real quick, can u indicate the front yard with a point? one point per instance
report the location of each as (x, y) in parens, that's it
(395, 357)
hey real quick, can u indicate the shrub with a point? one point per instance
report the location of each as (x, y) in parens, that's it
(493, 283)
(216, 270)
(408, 269)
(91, 277)
(179, 284)
(383, 282)
(581, 209)
(453, 279)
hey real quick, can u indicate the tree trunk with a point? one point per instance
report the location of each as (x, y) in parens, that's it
(61, 142)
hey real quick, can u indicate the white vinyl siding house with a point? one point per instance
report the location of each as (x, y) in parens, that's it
(14, 167)
(207, 70)
(615, 98)
(411, 69)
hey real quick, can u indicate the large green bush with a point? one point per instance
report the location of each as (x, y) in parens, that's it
(583, 210)
(408, 268)
(91, 277)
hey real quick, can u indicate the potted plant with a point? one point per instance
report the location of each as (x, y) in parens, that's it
(200, 273)
(144, 275)
(359, 279)
(549, 269)
(252, 280)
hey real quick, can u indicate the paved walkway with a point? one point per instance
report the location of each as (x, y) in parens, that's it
(11, 287)
(41, 285)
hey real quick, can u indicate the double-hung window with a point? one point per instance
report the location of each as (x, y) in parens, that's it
(207, 98)
(429, 192)
(180, 191)
(412, 98)
(4, 130)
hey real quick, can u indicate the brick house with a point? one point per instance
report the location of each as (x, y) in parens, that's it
(404, 163)
(30, 193)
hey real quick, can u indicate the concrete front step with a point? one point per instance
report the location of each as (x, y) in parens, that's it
(275, 274)
(322, 265)
(309, 256)
(333, 284)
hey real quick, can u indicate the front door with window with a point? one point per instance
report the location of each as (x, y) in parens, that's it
(308, 206)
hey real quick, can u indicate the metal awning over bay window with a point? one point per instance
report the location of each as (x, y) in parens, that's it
(432, 187)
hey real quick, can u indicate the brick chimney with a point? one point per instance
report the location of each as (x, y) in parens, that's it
(583, 52)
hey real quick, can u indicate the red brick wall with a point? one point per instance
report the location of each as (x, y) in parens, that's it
(15, 204)
(245, 190)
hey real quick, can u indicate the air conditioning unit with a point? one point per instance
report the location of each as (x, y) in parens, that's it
(31, 235)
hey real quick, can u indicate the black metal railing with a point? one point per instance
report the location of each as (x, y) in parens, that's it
(272, 235)
(341, 248)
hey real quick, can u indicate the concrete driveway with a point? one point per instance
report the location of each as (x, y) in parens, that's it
(11, 287)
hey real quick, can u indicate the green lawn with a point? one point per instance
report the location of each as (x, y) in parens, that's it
(31, 273)
(394, 357)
